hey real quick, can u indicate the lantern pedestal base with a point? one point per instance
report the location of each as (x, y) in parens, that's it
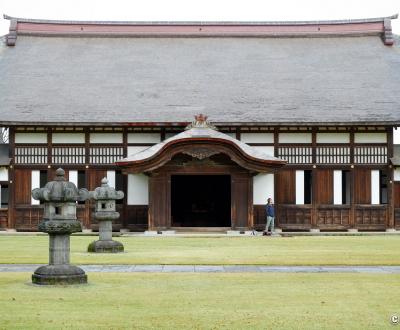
(59, 275)
(103, 246)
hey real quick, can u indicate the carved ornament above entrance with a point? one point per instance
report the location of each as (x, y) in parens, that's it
(200, 153)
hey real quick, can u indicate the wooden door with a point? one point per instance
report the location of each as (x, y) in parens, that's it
(22, 187)
(159, 201)
(362, 186)
(323, 186)
(285, 188)
(241, 199)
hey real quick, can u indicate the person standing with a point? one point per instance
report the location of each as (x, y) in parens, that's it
(270, 216)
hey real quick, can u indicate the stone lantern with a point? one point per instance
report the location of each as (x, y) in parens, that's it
(105, 197)
(59, 221)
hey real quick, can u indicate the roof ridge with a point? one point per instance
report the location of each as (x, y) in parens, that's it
(380, 26)
(306, 22)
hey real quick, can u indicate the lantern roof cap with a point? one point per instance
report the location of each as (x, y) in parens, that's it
(60, 190)
(105, 192)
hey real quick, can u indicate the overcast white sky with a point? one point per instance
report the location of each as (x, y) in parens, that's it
(200, 10)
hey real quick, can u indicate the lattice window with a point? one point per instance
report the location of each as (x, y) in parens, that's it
(105, 155)
(370, 155)
(68, 155)
(333, 155)
(296, 155)
(31, 155)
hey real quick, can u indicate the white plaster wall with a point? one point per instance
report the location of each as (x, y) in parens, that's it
(0, 196)
(300, 187)
(35, 183)
(370, 137)
(133, 150)
(73, 177)
(144, 137)
(106, 138)
(295, 138)
(68, 138)
(3, 174)
(30, 137)
(111, 178)
(333, 137)
(257, 137)
(138, 189)
(337, 187)
(375, 187)
(396, 176)
(263, 188)
(269, 150)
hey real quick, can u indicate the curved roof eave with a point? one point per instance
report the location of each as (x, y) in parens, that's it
(206, 139)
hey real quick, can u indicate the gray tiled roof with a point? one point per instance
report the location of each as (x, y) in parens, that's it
(232, 80)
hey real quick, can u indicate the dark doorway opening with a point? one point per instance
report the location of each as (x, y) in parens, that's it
(201, 200)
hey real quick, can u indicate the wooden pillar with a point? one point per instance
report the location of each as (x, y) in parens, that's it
(11, 180)
(162, 134)
(390, 184)
(352, 219)
(314, 205)
(238, 133)
(49, 151)
(250, 206)
(86, 218)
(124, 213)
(276, 187)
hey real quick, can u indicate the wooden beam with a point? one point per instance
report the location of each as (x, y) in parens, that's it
(390, 184)
(11, 180)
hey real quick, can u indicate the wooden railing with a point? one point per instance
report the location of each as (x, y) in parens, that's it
(327, 217)
(397, 217)
(294, 216)
(333, 216)
(27, 218)
(3, 218)
(333, 154)
(31, 155)
(68, 155)
(370, 216)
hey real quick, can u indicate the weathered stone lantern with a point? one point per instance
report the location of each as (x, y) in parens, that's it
(59, 221)
(105, 197)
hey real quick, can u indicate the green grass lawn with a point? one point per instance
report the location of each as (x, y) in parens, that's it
(330, 250)
(203, 301)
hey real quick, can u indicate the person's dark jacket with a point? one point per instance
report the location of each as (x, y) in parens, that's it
(270, 210)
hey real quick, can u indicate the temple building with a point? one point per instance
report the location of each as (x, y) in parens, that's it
(200, 122)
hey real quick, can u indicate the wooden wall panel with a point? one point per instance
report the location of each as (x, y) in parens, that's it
(22, 186)
(362, 186)
(285, 189)
(28, 218)
(240, 201)
(396, 194)
(136, 217)
(94, 177)
(159, 204)
(323, 186)
(3, 218)
(260, 216)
